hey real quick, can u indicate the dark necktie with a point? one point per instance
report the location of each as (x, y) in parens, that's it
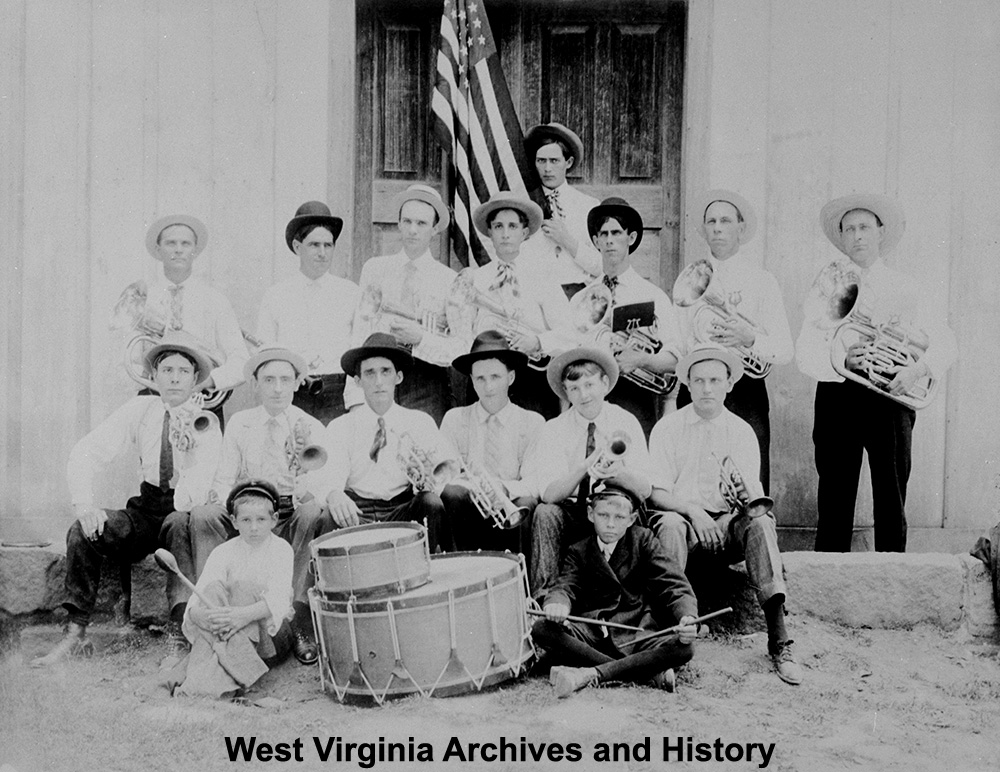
(166, 454)
(584, 492)
(176, 306)
(379, 441)
(611, 282)
(554, 205)
(506, 278)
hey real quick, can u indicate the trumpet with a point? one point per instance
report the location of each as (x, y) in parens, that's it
(376, 308)
(614, 450)
(465, 295)
(489, 498)
(887, 346)
(591, 309)
(425, 473)
(734, 490)
(694, 286)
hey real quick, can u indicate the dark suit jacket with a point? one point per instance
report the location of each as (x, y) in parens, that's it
(642, 586)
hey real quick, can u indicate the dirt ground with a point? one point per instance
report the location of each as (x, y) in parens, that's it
(872, 700)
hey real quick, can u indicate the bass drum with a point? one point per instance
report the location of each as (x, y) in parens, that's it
(464, 630)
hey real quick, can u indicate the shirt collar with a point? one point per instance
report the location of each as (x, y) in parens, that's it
(581, 421)
(607, 549)
(482, 416)
(425, 258)
(693, 418)
(559, 189)
(284, 417)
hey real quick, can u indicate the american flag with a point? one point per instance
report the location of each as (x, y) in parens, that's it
(474, 118)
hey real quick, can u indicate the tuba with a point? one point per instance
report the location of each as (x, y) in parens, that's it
(591, 310)
(836, 300)
(693, 287)
(734, 490)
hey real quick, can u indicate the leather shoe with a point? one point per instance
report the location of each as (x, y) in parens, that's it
(303, 648)
(567, 680)
(178, 646)
(785, 666)
(74, 643)
(665, 680)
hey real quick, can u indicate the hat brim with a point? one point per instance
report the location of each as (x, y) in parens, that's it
(196, 225)
(747, 212)
(630, 219)
(333, 224)
(203, 362)
(529, 208)
(514, 360)
(559, 363)
(537, 134)
(885, 208)
(297, 361)
(352, 359)
(705, 354)
(444, 217)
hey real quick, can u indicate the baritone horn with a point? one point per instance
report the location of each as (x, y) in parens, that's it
(734, 491)
(694, 287)
(614, 450)
(836, 299)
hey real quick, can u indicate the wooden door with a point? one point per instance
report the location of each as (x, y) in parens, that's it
(613, 72)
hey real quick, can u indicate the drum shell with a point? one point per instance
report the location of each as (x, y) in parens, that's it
(462, 588)
(371, 560)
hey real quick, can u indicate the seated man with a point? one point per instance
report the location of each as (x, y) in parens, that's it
(492, 437)
(618, 574)
(176, 464)
(268, 443)
(574, 448)
(382, 455)
(707, 480)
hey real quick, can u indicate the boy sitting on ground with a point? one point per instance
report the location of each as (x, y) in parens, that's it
(619, 574)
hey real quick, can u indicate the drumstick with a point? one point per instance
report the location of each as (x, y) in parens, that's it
(588, 621)
(675, 628)
(168, 562)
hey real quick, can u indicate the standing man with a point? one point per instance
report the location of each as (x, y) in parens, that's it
(854, 414)
(406, 294)
(492, 437)
(177, 300)
(269, 442)
(176, 464)
(693, 450)
(381, 454)
(645, 309)
(312, 313)
(563, 248)
(511, 295)
(755, 324)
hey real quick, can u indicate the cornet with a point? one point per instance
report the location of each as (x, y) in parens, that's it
(614, 450)
(303, 456)
(591, 309)
(377, 309)
(489, 498)
(188, 424)
(425, 473)
(694, 286)
(734, 490)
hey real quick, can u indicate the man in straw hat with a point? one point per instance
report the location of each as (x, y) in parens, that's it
(849, 416)
(562, 248)
(312, 312)
(693, 450)
(178, 300)
(381, 450)
(755, 322)
(406, 294)
(589, 441)
(492, 437)
(176, 463)
(281, 444)
(636, 304)
(620, 574)
(534, 311)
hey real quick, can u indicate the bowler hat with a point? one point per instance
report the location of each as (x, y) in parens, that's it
(274, 354)
(196, 225)
(313, 213)
(744, 207)
(560, 362)
(428, 195)
(186, 343)
(378, 344)
(618, 208)
(538, 134)
(490, 344)
(885, 208)
(708, 351)
(507, 200)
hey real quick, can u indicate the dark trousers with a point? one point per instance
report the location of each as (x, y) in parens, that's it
(554, 528)
(420, 508)
(579, 645)
(749, 401)
(427, 387)
(129, 535)
(646, 406)
(531, 391)
(472, 531)
(322, 397)
(850, 418)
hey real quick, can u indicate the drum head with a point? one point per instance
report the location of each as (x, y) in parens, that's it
(371, 537)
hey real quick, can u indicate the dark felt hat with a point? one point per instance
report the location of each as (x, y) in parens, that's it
(313, 213)
(618, 208)
(490, 344)
(378, 344)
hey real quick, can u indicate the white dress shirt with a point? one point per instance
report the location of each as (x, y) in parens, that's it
(633, 288)
(208, 315)
(251, 452)
(138, 424)
(349, 441)
(684, 447)
(467, 428)
(753, 292)
(267, 567)
(432, 284)
(562, 443)
(555, 261)
(892, 294)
